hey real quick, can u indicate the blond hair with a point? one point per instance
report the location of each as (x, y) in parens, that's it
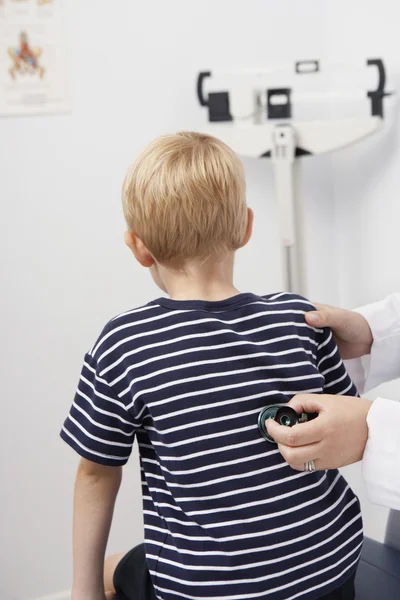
(185, 198)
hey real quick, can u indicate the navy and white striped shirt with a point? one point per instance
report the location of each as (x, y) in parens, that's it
(225, 516)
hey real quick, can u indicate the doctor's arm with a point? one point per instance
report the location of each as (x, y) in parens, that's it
(348, 429)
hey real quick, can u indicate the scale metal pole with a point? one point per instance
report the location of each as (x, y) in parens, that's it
(287, 171)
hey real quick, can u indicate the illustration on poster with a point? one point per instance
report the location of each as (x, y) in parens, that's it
(40, 2)
(25, 59)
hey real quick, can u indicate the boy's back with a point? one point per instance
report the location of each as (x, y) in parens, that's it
(225, 515)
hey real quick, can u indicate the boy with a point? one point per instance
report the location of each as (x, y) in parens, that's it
(225, 516)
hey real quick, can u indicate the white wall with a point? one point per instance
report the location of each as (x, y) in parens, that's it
(66, 270)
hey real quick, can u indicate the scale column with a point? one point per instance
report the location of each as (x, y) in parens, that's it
(287, 183)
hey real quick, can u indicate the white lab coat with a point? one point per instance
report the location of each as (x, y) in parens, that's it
(381, 462)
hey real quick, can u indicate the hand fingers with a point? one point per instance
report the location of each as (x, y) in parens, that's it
(302, 467)
(345, 324)
(310, 403)
(296, 436)
(299, 456)
(323, 317)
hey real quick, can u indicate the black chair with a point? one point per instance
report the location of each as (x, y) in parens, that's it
(378, 575)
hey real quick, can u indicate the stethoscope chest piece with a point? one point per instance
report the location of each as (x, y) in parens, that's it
(284, 415)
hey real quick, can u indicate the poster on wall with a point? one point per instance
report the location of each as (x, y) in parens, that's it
(33, 70)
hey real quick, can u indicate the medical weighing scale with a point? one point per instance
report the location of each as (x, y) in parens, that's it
(258, 120)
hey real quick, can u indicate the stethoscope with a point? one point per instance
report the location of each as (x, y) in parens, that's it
(284, 415)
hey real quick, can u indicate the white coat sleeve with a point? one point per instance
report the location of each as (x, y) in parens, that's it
(381, 462)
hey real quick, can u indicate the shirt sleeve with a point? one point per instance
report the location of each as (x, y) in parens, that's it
(98, 427)
(331, 366)
(381, 462)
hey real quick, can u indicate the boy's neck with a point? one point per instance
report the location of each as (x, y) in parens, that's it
(211, 281)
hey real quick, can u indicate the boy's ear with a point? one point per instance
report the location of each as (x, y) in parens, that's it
(139, 250)
(249, 228)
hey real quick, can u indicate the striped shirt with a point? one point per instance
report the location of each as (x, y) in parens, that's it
(225, 516)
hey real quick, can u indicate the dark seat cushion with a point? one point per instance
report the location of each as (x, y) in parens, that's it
(378, 575)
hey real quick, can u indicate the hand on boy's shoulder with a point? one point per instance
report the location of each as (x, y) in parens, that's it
(351, 330)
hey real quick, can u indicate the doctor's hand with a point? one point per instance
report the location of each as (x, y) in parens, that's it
(351, 330)
(336, 438)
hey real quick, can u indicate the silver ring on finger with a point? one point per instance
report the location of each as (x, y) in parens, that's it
(309, 466)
